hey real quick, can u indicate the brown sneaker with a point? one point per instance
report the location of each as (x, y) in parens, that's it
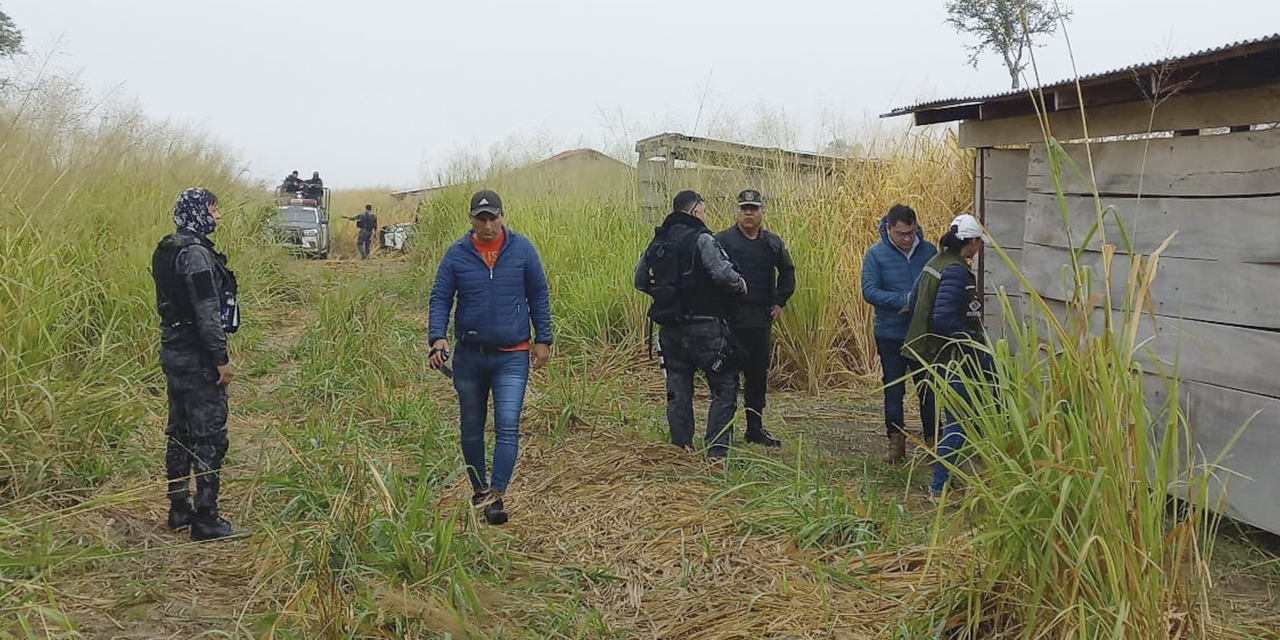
(897, 448)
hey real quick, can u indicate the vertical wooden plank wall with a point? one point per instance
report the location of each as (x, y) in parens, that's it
(1001, 201)
(1216, 296)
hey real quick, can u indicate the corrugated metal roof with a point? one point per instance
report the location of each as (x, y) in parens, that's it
(1191, 57)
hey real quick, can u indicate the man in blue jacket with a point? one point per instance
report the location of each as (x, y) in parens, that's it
(889, 271)
(496, 277)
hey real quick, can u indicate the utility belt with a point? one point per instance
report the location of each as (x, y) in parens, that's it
(488, 349)
(229, 317)
(688, 320)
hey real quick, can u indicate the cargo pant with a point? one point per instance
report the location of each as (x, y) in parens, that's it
(756, 346)
(362, 242)
(197, 429)
(686, 349)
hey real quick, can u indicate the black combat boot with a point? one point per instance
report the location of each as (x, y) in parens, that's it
(478, 498)
(757, 434)
(717, 452)
(180, 513)
(496, 512)
(209, 525)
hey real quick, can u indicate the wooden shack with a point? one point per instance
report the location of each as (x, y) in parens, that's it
(1187, 144)
(670, 162)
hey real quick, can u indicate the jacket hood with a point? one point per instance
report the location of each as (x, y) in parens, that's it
(199, 237)
(681, 218)
(884, 233)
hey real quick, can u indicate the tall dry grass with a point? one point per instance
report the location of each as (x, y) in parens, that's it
(85, 193)
(350, 202)
(590, 244)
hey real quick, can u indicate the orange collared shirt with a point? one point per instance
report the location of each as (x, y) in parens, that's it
(489, 253)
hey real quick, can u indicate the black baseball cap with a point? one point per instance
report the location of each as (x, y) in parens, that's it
(750, 198)
(486, 201)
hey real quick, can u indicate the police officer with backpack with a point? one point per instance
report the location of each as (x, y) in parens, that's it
(196, 300)
(695, 289)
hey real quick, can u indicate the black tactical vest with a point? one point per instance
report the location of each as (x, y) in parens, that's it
(173, 301)
(681, 288)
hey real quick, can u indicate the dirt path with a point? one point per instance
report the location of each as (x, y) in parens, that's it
(662, 550)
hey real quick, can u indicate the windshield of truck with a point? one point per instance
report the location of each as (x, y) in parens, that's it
(304, 215)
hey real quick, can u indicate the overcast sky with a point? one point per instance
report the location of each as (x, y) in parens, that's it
(383, 92)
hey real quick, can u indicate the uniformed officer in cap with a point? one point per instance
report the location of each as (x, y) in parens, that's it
(694, 289)
(762, 259)
(196, 300)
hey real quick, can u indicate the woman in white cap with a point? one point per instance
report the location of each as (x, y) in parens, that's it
(946, 328)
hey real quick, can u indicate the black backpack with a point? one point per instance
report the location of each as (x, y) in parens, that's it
(670, 257)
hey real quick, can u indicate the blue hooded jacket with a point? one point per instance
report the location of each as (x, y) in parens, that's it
(495, 307)
(887, 278)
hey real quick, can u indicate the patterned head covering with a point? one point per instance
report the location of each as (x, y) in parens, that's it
(191, 211)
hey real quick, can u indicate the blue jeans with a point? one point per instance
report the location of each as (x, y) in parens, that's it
(895, 367)
(475, 375)
(950, 442)
(952, 438)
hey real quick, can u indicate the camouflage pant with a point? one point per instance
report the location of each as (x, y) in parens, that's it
(197, 427)
(687, 349)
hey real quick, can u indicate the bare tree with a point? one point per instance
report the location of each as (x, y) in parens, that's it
(1007, 28)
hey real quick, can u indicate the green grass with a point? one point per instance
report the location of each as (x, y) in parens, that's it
(1066, 496)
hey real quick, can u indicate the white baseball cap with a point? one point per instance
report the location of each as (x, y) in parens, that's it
(966, 227)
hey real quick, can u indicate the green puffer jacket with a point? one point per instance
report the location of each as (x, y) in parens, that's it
(924, 342)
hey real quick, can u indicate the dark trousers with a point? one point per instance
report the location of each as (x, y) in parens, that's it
(197, 429)
(685, 350)
(756, 347)
(895, 368)
(362, 243)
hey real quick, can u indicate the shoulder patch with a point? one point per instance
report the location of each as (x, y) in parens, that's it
(203, 283)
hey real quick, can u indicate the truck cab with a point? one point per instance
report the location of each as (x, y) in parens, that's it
(301, 225)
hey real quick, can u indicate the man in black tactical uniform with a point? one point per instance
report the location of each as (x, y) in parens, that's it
(314, 188)
(195, 297)
(292, 183)
(762, 259)
(366, 222)
(694, 288)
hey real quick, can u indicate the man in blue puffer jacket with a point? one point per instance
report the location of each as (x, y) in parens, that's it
(496, 277)
(889, 271)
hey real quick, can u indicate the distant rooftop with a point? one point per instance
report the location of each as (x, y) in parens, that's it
(1233, 66)
(585, 153)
